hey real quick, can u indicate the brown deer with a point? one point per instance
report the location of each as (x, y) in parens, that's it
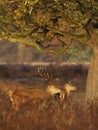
(20, 96)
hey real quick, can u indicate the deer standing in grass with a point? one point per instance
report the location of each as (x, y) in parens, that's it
(19, 96)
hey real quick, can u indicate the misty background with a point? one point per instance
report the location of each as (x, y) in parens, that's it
(20, 53)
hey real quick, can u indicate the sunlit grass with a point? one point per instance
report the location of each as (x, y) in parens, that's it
(49, 114)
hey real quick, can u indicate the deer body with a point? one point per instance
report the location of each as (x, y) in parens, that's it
(20, 96)
(52, 89)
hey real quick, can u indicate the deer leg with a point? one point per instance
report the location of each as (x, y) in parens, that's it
(15, 104)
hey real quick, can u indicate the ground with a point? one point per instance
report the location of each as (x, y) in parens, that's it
(71, 114)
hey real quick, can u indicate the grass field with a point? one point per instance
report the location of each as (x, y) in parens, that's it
(50, 114)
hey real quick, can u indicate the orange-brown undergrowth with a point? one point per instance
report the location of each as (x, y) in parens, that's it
(49, 114)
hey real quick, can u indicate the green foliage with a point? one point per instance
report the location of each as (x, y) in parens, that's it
(36, 22)
(80, 55)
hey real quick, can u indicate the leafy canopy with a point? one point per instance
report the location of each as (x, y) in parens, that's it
(48, 25)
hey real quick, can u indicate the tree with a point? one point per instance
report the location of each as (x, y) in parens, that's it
(53, 26)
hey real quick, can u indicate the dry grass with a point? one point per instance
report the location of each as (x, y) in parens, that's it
(50, 114)
(69, 115)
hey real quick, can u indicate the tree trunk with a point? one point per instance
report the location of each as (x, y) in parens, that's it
(92, 80)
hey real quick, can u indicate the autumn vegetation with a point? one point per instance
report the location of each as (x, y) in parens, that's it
(54, 27)
(48, 113)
